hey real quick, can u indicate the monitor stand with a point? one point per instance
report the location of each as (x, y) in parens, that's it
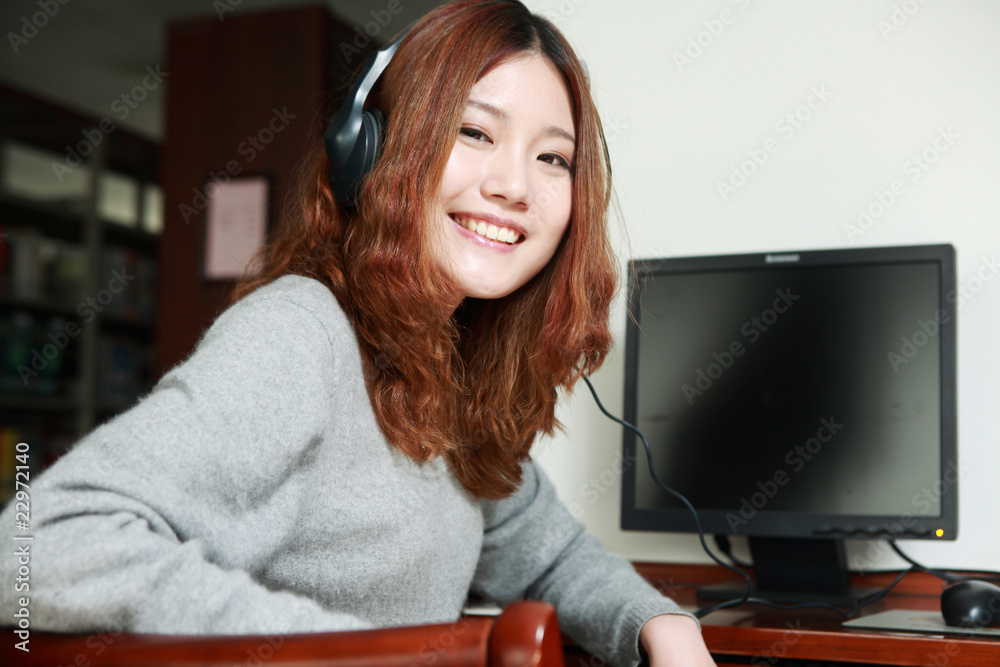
(795, 570)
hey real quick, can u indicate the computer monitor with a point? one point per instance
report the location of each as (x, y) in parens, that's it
(797, 398)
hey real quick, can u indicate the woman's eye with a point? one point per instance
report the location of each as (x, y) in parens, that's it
(553, 159)
(473, 133)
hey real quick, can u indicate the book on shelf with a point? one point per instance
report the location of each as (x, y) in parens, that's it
(37, 355)
(38, 269)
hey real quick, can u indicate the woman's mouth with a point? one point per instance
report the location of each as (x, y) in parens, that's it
(488, 230)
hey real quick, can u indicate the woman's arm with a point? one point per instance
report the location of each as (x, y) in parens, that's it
(156, 521)
(534, 548)
(671, 640)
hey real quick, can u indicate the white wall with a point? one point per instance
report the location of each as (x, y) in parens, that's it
(887, 80)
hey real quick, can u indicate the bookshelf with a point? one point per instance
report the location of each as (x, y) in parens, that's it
(80, 214)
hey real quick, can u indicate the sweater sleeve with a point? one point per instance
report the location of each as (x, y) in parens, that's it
(534, 548)
(124, 524)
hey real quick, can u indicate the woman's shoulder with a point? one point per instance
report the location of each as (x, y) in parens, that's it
(302, 290)
(311, 300)
(287, 333)
(277, 326)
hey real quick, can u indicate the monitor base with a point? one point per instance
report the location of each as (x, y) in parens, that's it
(790, 570)
(735, 591)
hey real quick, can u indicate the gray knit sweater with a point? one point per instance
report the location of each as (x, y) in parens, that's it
(251, 491)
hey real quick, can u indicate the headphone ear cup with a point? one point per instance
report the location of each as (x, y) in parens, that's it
(372, 127)
(346, 178)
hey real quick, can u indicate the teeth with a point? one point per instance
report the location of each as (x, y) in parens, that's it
(492, 232)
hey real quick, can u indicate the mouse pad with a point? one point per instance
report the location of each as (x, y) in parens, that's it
(916, 621)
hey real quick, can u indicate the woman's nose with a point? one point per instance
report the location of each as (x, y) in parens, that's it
(507, 178)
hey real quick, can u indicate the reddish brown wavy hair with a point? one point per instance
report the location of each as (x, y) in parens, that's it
(477, 384)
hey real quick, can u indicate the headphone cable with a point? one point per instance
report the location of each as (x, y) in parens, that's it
(701, 534)
(748, 595)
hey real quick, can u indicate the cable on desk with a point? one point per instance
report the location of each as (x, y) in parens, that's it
(941, 574)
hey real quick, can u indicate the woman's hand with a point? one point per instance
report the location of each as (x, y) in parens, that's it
(673, 640)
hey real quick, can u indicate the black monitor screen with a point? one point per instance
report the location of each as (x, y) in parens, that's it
(794, 394)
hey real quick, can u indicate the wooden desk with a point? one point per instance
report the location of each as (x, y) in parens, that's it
(758, 635)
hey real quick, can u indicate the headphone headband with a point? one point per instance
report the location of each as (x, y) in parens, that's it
(353, 140)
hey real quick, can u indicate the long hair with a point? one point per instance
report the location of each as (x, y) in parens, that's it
(476, 384)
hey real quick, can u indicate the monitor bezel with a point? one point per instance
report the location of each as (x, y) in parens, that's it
(767, 523)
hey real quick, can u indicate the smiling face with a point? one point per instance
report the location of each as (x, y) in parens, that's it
(507, 190)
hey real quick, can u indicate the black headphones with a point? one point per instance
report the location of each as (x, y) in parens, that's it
(354, 138)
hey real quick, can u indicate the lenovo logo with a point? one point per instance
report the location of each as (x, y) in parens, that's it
(781, 259)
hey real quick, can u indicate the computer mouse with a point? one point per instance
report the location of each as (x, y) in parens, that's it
(972, 603)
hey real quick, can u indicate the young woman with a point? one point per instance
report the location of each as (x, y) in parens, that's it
(348, 445)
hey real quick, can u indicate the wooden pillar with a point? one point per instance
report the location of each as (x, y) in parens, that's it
(247, 92)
